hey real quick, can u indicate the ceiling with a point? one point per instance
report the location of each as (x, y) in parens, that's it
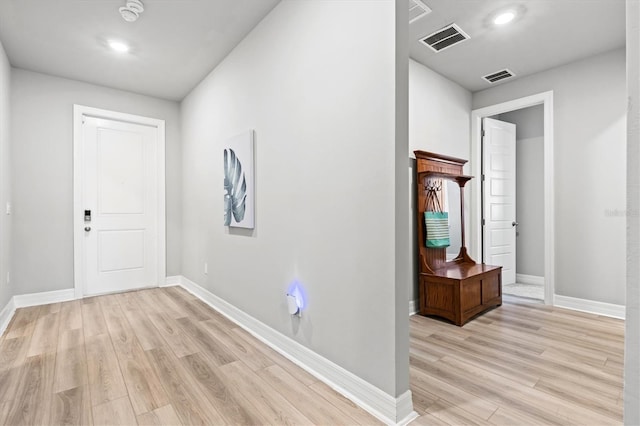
(546, 34)
(174, 44)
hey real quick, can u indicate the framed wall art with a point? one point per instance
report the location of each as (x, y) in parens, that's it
(239, 189)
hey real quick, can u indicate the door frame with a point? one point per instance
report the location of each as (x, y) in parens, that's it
(79, 113)
(545, 99)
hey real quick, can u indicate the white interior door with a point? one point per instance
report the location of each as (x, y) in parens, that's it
(120, 183)
(499, 196)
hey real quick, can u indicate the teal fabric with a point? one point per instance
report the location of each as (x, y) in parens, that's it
(437, 226)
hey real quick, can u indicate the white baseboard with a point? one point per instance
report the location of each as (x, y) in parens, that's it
(529, 279)
(591, 306)
(404, 404)
(380, 404)
(33, 299)
(172, 281)
(6, 314)
(44, 298)
(413, 307)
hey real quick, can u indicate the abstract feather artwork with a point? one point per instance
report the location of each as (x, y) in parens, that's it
(238, 181)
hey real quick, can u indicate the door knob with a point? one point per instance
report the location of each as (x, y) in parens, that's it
(514, 223)
(87, 228)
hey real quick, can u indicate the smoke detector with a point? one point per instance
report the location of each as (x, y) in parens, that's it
(132, 10)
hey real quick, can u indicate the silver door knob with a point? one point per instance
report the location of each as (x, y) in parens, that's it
(87, 228)
(514, 223)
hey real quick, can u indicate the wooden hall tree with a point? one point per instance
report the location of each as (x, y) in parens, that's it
(458, 289)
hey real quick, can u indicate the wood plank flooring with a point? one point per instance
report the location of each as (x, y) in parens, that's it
(520, 364)
(162, 357)
(152, 357)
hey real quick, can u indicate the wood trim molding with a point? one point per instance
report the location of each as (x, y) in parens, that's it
(590, 306)
(529, 279)
(388, 409)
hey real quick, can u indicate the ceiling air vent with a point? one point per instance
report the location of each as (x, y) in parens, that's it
(445, 37)
(417, 9)
(498, 76)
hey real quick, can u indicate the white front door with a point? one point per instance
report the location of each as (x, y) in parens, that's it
(499, 196)
(119, 202)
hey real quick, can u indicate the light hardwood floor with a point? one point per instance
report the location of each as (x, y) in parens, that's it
(520, 364)
(152, 357)
(162, 356)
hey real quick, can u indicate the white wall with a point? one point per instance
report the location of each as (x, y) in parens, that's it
(5, 172)
(316, 80)
(632, 321)
(439, 114)
(402, 199)
(439, 122)
(590, 129)
(529, 188)
(42, 174)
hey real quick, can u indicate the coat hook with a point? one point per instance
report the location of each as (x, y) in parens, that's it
(433, 186)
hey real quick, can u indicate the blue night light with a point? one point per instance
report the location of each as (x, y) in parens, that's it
(298, 292)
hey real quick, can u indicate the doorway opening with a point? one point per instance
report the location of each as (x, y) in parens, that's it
(481, 232)
(516, 193)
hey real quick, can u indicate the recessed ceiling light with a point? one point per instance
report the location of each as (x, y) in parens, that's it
(118, 46)
(504, 18)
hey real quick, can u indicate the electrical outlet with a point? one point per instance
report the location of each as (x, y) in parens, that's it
(8, 208)
(206, 268)
(8, 277)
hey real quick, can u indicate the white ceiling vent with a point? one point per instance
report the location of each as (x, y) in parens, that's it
(417, 9)
(499, 76)
(445, 38)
